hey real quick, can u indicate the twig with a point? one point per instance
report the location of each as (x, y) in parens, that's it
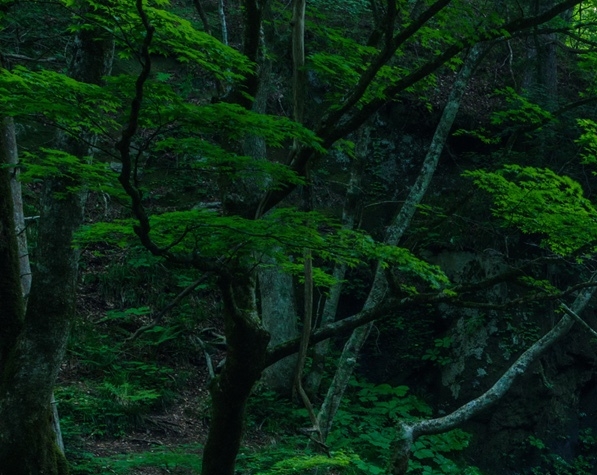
(22, 57)
(170, 306)
(576, 317)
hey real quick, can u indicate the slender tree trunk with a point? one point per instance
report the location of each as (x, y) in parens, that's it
(409, 432)
(299, 75)
(394, 233)
(203, 16)
(547, 64)
(223, 24)
(9, 146)
(10, 282)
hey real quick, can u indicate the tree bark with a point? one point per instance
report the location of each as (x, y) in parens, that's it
(247, 342)
(203, 16)
(409, 432)
(31, 361)
(394, 233)
(278, 311)
(9, 147)
(10, 285)
(223, 24)
(27, 440)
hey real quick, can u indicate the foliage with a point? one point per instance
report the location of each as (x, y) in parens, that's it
(203, 137)
(554, 464)
(522, 111)
(282, 234)
(361, 437)
(366, 424)
(103, 409)
(175, 36)
(437, 353)
(539, 201)
(119, 388)
(181, 460)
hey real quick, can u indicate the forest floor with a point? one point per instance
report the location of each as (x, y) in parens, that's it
(109, 421)
(180, 423)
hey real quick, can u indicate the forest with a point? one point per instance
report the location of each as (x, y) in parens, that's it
(281, 237)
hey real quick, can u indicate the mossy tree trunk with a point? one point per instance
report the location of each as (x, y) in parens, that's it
(34, 341)
(28, 374)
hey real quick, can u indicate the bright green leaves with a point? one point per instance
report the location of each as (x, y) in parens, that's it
(339, 71)
(539, 201)
(236, 122)
(96, 176)
(73, 106)
(523, 111)
(588, 140)
(283, 234)
(174, 36)
(190, 131)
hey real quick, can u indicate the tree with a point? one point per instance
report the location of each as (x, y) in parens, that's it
(36, 339)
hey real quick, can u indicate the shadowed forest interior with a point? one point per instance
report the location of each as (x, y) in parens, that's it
(298, 237)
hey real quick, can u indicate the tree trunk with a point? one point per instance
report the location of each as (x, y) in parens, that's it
(9, 147)
(409, 432)
(32, 358)
(394, 233)
(247, 342)
(279, 316)
(27, 440)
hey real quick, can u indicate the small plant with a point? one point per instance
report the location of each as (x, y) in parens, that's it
(437, 353)
(103, 409)
(182, 460)
(366, 425)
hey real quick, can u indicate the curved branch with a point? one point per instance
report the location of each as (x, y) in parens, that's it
(390, 307)
(410, 431)
(124, 144)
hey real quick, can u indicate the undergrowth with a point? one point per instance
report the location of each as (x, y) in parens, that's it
(181, 460)
(360, 441)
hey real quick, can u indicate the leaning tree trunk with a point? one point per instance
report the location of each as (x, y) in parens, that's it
(410, 431)
(330, 308)
(394, 233)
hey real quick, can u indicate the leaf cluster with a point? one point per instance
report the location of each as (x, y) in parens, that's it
(539, 201)
(282, 234)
